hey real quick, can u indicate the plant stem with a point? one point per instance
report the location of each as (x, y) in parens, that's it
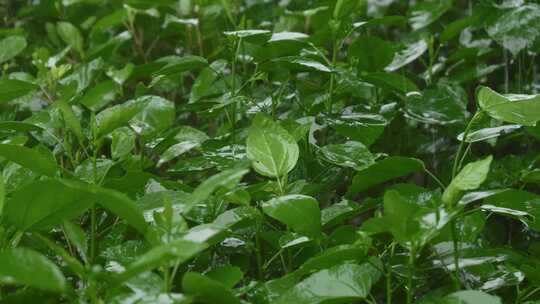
(457, 157)
(410, 288)
(330, 101)
(389, 276)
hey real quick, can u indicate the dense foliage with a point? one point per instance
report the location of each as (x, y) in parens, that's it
(264, 151)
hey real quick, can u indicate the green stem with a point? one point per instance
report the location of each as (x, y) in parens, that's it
(410, 285)
(435, 178)
(389, 276)
(457, 157)
(455, 245)
(259, 255)
(330, 101)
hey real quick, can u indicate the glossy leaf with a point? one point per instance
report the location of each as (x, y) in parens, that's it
(272, 150)
(343, 283)
(469, 178)
(71, 36)
(11, 47)
(33, 159)
(407, 55)
(12, 88)
(424, 13)
(517, 28)
(117, 116)
(30, 268)
(300, 212)
(518, 109)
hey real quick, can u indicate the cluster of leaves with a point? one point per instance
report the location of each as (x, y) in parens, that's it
(310, 151)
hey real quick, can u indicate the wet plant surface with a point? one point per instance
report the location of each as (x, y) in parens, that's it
(310, 151)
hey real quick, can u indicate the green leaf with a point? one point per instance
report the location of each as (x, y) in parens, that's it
(298, 64)
(519, 204)
(186, 138)
(334, 256)
(180, 251)
(363, 127)
(114, 201)
(226, 275)
(343, 8)
(440, 105)
(350, 154)
(117, 116)
(391, 81)
(175, 65)
(465, 297)
(100, 95)
(512, 108)
(407, 55)
(123, 142)
(469, 178)
(2, 195)
(300, 212)
(11, 47)
(28, 267)
(272, 150)
(157, 116)
(32, 159)
(517, 28)
(19, 126)
(12, 88)
(43, 204)
(70, 119)
(344, 283)
(339, 212)
(71, 36)
(473, 297)
(384, 170)
(372, 53)
(251, 36)
(488, 133)
(227, 179)
(426, 12)
(207, 290)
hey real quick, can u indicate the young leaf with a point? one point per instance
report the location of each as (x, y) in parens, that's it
(300, 212)
(71, 36)
(28, 267)
(272, 150)
(469, 178)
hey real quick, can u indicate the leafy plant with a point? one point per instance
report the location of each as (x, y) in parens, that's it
(192, 151)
